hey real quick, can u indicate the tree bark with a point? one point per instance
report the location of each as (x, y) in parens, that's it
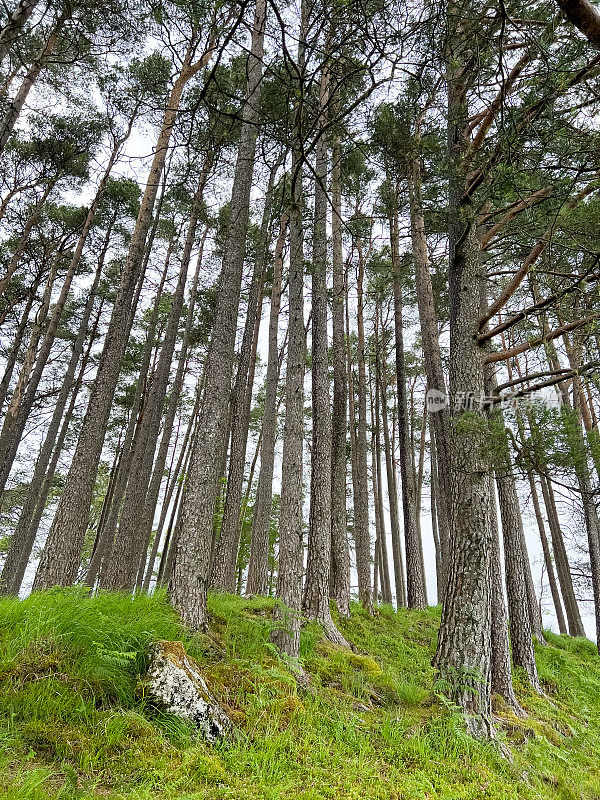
(316, 586)
(225, 561)
(340, 553)
(258, 566)
(415, 577)
(62, 553)
(192, 560)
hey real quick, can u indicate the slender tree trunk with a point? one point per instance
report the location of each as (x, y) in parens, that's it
(225, 561)
(258, 567)
(362, 535)
(15, 347)
(25, 533)
(15, 106)
(340, 553)
(192, 560)
(18, 412)
(554, 590)
(62, 553)
(22, 244)
(137, 515)
(562, 561)
(386, 588)
(415, 577)
(431, 351)
(316, 587)
(399, 580)
(101, 562)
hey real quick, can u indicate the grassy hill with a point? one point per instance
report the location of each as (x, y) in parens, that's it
(74, 722)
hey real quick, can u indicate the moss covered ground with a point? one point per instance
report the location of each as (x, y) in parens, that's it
(74, 721)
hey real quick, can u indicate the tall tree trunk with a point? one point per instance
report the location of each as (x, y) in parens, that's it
(431, 350)
(415, 576)
(258, 566)
(501, 675)
(18, 412)
(562, 561)
(386, 588)
(135, 526)
(225, 561)
(24, 238)
(340, 553)
(399, 580)
(101, 562)
(554, 590)
(161, 458)
(24, 536)
(15, 347)
(362, 537)
(15, 106)
(192, 560)
(62, 553)
(316, 587)
(463, 657)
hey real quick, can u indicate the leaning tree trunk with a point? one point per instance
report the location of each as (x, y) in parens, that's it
(554, 590)
(225, 560)
(386, 588)
(18, 413)
(131, 542)
(62, 553)
(192, 559)
(340, 553)
(10, 31)
(161, 458)
(563, 568)
(23, 538)
(258, 567)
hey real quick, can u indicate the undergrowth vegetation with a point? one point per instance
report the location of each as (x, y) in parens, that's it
(74, 722)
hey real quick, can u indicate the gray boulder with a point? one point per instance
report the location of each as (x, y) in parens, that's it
(174, 682)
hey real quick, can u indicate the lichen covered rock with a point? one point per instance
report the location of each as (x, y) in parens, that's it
(175, 683)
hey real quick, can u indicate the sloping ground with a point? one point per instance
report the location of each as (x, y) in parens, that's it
(73, 723)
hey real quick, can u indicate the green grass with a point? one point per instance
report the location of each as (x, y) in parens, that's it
(74, 722)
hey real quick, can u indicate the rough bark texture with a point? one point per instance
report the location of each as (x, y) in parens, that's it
(463, 657)
(62, 553)
(415, 577)
(225, 560)
(289, 575)
(340, 553)
(316, 587)
(258, 567)
(362, 537)
(192, 559)
(501, 663)
(431, 355)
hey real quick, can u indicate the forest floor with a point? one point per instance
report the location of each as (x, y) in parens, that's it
(74, 724)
